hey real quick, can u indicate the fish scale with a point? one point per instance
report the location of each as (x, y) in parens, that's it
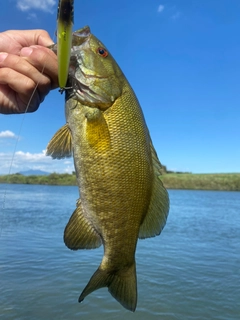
(122, 198)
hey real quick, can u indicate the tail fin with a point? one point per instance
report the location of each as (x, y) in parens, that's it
(121, 284)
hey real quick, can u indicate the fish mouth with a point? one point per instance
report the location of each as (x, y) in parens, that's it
(88, 81)
(86, 95)
(80, 36)
(83, 90)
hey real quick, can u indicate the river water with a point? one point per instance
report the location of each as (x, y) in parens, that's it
(191, 271)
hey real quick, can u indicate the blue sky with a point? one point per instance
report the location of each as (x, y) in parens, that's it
(182, 59)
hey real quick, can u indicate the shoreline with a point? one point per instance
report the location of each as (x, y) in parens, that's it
(210, 181)
(183, 181)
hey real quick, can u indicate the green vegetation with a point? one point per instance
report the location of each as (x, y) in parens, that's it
(63, 179)
(224, 181)
(221, 181)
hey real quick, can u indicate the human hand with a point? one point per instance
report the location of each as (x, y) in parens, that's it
(28, 70)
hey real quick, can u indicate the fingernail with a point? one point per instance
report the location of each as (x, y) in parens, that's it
(26, 51)
(3, 56)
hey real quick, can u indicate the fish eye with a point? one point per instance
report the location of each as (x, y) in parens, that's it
(102, 52)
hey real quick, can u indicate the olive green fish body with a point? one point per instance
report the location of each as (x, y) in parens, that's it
(107, 184)
(122, 198)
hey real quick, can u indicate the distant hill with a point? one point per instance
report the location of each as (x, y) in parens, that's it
(34, 173)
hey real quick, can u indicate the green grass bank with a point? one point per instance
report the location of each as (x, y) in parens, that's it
(224, 181)
(221, 181)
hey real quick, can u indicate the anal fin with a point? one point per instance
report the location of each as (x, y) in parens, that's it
(79, 233)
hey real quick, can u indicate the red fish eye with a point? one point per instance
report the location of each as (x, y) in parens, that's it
(102, 52)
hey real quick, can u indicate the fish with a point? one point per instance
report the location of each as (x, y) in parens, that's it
(118, 171)
(64, 38)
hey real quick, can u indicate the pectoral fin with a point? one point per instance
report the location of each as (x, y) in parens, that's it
(97, 132)
(158, 209)
(60, 146)
(79, 233)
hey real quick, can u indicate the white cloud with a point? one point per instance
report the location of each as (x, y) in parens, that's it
(7, 134)
(67, 162)
(171, 11)
(31, 156)
(32, 16)
(160, 8)
(44, 5)
(176, 15)
(23, 161)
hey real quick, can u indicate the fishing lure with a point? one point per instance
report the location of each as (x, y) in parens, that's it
(64, 39)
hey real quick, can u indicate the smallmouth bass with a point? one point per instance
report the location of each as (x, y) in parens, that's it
(122, 198)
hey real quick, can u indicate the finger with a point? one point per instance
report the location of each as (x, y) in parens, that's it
(7, 100)
(18, 92)
(23, 67)
(13, 41)
(45, 60)
(11, 103)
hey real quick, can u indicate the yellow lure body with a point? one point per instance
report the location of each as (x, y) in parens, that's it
(64, 39)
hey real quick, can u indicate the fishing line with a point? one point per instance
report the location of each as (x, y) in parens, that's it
(64, 29)
(15, 148)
